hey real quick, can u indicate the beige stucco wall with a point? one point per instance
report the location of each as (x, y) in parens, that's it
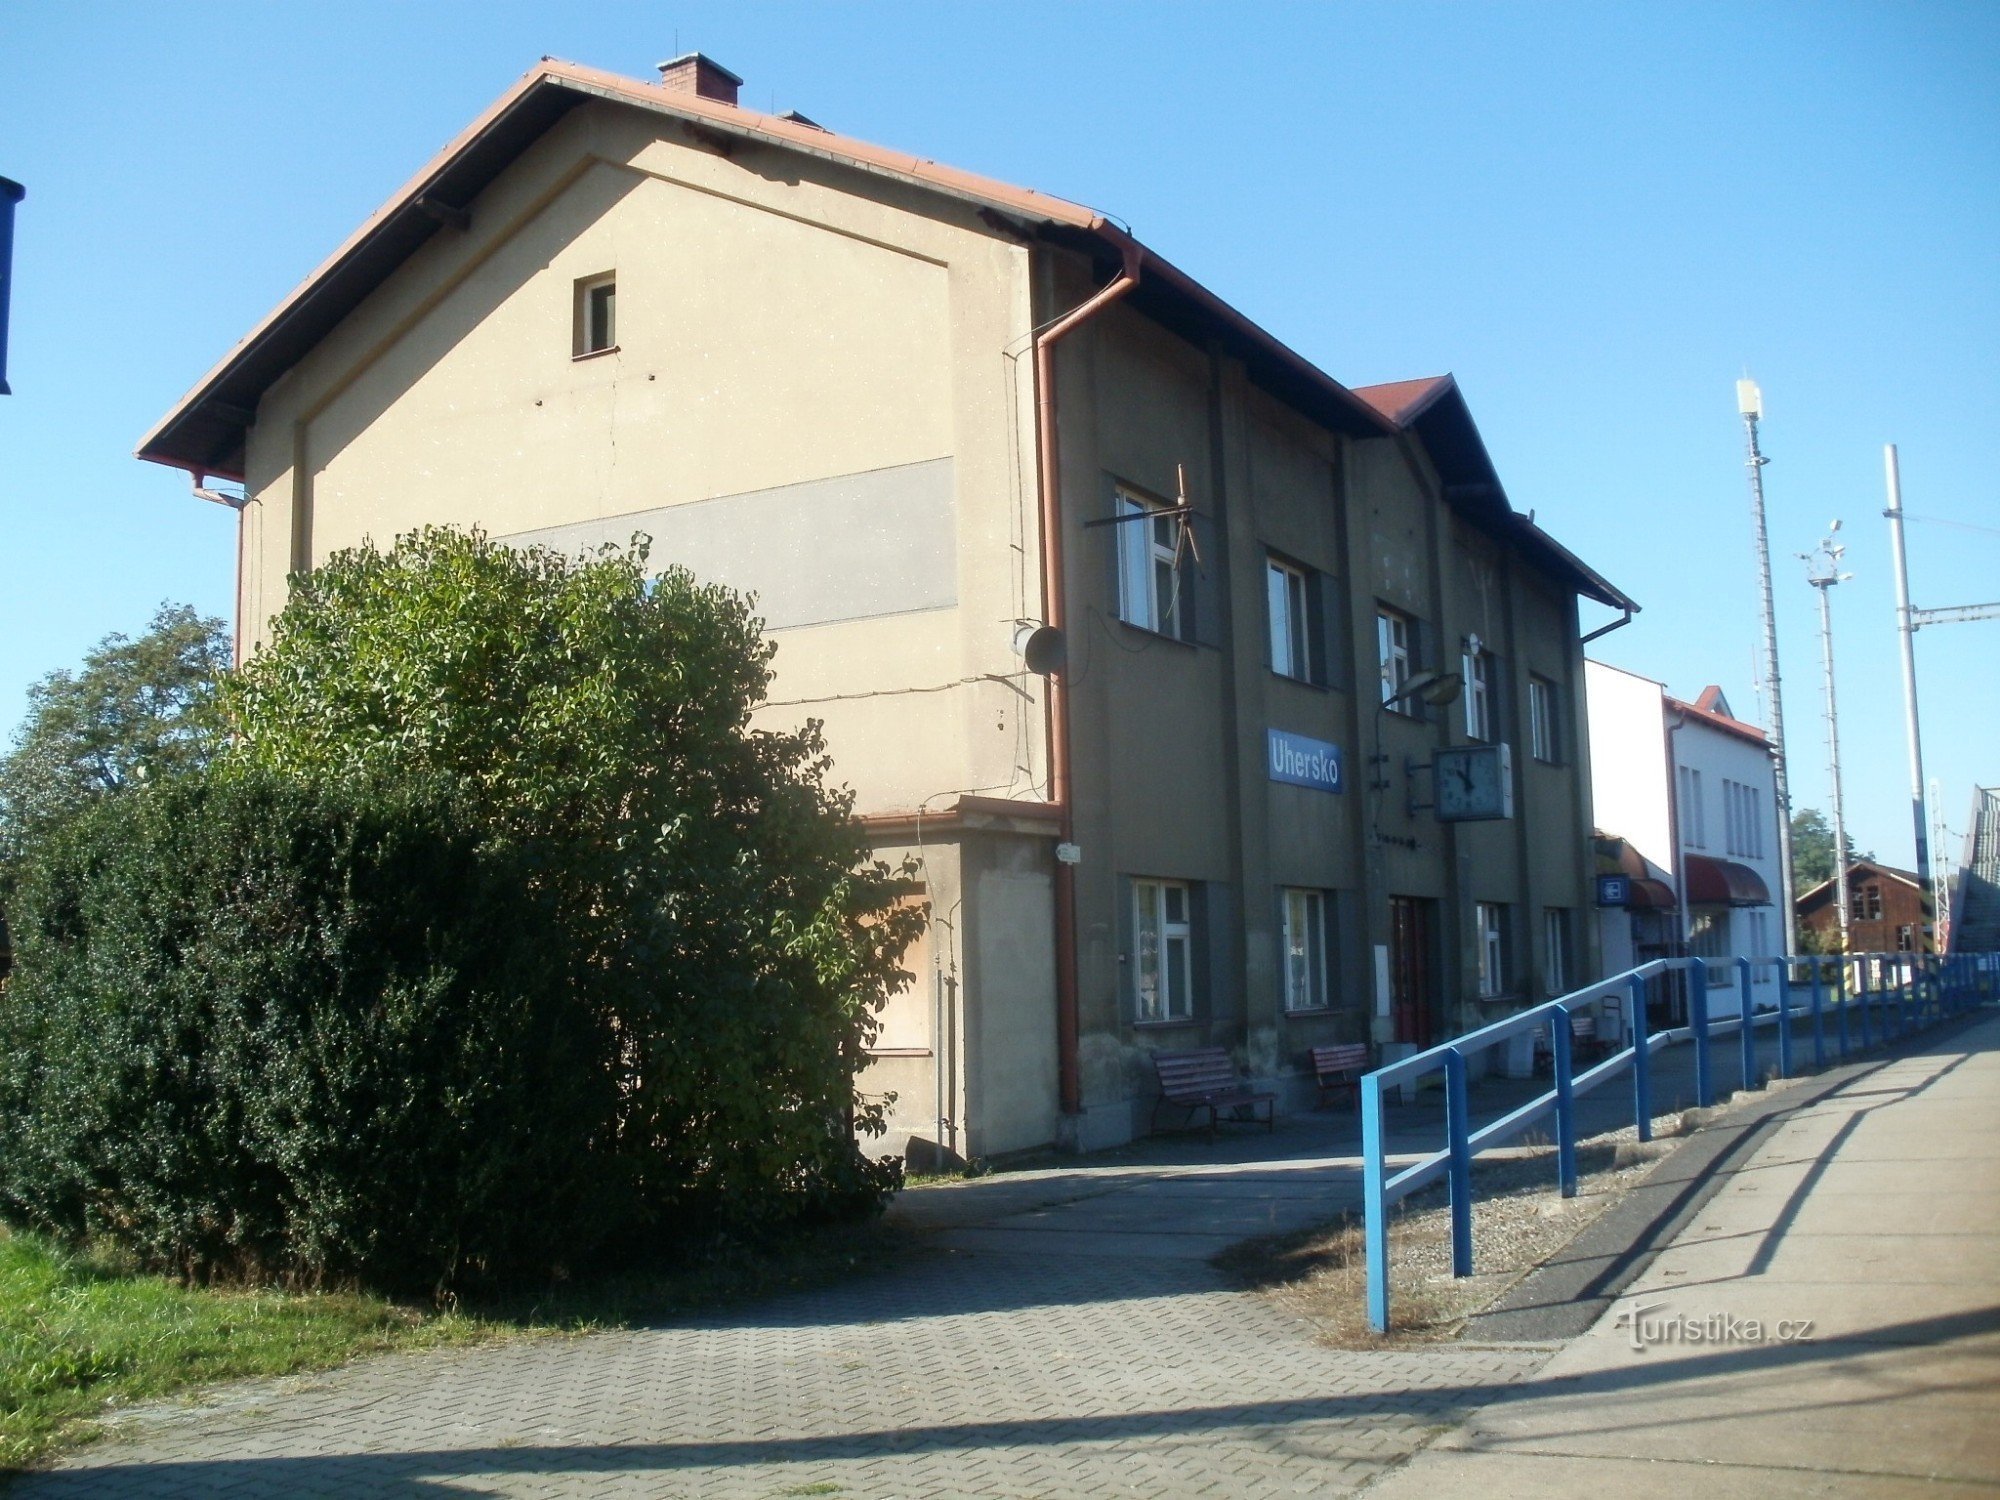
(781, 322)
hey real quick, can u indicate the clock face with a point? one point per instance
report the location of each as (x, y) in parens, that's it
(1473, 783)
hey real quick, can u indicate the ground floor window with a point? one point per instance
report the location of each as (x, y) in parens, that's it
(1305, 955)
(1555, 942)
(1490, 918)
(1709, 937)
(1163, 943)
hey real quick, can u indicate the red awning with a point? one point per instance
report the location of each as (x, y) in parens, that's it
(1724, 882)
(1651, 895)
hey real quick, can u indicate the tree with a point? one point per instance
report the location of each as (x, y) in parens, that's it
(720, 896)
(1812, 849)
(138, 708)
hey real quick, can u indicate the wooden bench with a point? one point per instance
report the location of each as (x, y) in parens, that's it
(1205, 1078)
(1339, 1068)
(1583, 1042)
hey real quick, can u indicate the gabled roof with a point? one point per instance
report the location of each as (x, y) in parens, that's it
(1700, 713)
(1901, 877)
(204, 433)
(1434, 408)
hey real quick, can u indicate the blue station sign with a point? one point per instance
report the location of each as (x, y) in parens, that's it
(1300, 761)
(1614, 890)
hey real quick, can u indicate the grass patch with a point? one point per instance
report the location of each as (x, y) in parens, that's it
(80, 1335)
(76, 1333)
(1519, 1221)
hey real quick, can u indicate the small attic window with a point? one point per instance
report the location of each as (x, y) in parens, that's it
(596, 330)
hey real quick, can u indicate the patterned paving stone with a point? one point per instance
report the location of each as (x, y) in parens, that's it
(964, 1374)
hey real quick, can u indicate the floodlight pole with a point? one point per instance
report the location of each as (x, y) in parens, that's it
(1906, 627)
(1750, 403)
(1823, 572)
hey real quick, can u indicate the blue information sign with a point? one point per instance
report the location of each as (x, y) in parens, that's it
(1299, 761)
(1614, 890)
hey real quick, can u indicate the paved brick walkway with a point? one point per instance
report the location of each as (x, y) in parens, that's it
(967, 1374)
(1067, 1337)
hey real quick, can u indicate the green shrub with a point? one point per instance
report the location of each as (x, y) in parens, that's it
(257, 1029)
(497, 940)
(739, 940)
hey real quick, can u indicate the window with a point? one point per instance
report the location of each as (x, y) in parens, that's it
(1393, 639)
(1743, 827)
(1491, 920)
(1149, 575)
(1305, 960)
(1542, 718)
(1694, 830)
(1479, 705)
(1555, 940)
(1291, 620)
(1906, 938)
(1760, 938)
(1711, 934)
(596, 327)
(1163, 956)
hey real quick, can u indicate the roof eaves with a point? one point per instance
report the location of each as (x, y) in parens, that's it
(1031, 208)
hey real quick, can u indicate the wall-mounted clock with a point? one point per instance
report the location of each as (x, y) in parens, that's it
(1473, 783)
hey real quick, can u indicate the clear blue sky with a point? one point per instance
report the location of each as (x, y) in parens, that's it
(1597, 216)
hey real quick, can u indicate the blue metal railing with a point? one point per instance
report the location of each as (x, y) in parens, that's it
(1906, 990)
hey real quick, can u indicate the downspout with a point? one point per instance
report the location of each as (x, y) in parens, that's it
(1049, 481)
(1630, 610)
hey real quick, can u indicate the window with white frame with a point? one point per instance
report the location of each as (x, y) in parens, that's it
(1555, 945)
(1479, 703)
(1760, 938)
(1394, 632)
(1305, 957)
(1287, 588)
(1542, 718)
(1694, 830)
(1710, 938)
(1149, 572)
(594, 327)
(1163, 944)
(1490, 920)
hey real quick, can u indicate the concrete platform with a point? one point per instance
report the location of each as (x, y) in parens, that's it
(1829, 1323)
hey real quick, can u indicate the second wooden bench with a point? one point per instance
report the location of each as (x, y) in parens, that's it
(1205, 1078)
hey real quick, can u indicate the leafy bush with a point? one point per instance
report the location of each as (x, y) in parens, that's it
(262, 1030)
(497, 939)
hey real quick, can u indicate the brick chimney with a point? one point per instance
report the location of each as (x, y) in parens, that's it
(695, 73)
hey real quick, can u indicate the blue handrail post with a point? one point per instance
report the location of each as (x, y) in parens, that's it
(1458, 1125)
(1784, 1018)
(1906, 983)
(1704, 1092)
(1747, 1030)
(1642, 1062)
(1565, 1104)
(1374, 1202)
(1861, 994)
(1841, 985)
(1818, 1017)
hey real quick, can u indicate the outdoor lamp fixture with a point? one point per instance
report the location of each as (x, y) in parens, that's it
(1434, 688)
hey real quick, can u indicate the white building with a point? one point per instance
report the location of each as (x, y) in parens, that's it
(1684, 800)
